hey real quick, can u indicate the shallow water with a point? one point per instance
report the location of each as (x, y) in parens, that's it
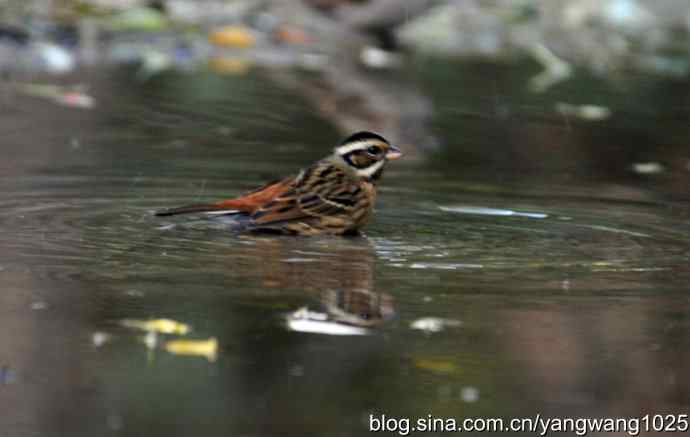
(561, 273)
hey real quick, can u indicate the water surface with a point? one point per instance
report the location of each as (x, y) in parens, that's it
(564, 273)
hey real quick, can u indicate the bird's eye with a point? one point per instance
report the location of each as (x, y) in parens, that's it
(373, 150)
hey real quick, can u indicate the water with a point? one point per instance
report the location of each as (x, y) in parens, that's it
(558, 277)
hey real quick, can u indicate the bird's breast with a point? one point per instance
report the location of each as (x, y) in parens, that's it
(364, 204)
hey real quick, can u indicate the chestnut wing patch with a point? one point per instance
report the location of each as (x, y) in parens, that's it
(321, 190)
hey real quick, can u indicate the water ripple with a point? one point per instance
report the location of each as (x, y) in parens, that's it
(71, 226)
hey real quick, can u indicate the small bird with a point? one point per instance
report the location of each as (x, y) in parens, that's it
(334, 196)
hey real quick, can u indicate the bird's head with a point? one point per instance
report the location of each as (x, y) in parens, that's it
(366, 153)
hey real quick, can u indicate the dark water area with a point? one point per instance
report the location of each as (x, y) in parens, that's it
(558, 263)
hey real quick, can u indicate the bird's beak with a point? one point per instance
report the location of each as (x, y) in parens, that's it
(393, 153)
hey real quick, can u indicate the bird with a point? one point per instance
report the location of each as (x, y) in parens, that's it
(334, 196)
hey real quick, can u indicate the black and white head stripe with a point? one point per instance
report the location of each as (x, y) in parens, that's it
(363, 136)
(358, 141)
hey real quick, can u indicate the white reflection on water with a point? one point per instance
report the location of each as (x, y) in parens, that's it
(314, 322)
(480, 210)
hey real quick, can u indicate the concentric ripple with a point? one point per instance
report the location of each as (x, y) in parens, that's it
(534, 244)
(72, 226)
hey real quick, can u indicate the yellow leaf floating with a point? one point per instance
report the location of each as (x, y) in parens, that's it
(434, 365)
(232, 36)
(202, 348)
(162, 326)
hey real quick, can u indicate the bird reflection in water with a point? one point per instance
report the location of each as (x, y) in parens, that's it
(338, 272)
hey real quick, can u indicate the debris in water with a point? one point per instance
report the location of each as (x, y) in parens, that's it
(648, 168)
(436, 365)
(469, 394)
(98, 338)
(161, 326)
(150, 340)
(201, 348)
(434, 324)
(134, 293)
(584, 112)
(39, 305)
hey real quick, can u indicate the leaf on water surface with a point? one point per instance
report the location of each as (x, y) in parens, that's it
(436, 365)
(162, 326)
(201, 348)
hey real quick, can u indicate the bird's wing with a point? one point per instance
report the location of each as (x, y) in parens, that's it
(321, 190)
(253, 200)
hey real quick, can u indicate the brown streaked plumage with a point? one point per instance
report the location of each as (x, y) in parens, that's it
(335, 196)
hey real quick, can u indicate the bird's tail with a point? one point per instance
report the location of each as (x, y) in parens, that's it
(247, 203)
(198, 208)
